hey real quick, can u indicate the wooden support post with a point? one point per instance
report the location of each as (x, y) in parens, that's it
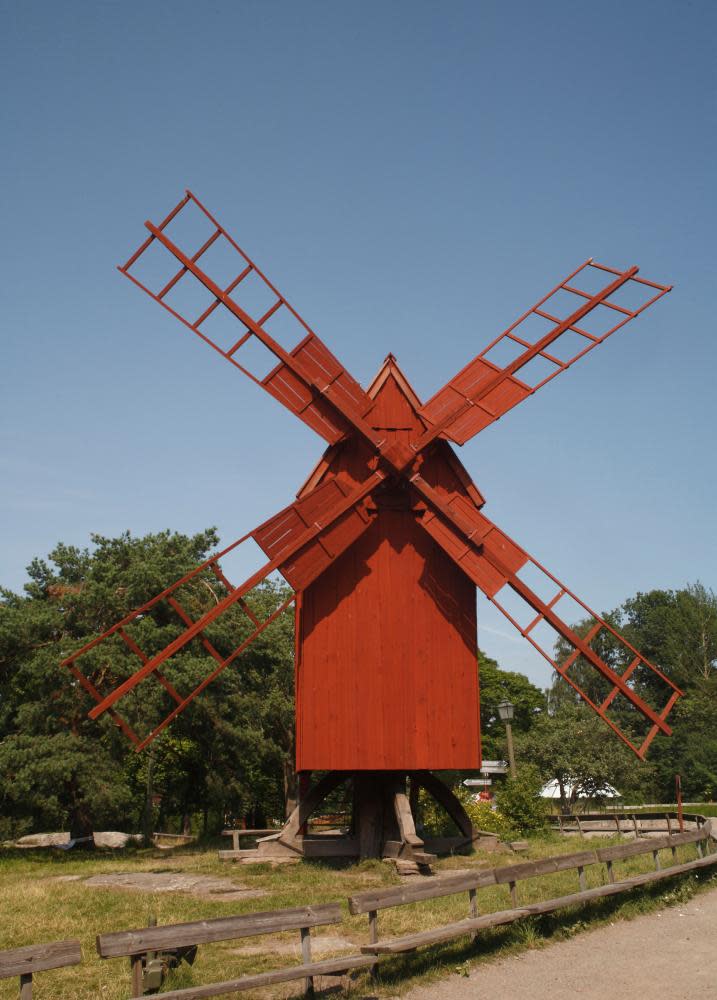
(656, 857)
(306, 957)
(136, 968)
(404, 818)
(581, 879)
(304, 784)
(414, 790)
(369, 805)
(513, 893)
(580, 829)
(445, 797)
(636, 826)
(617, 822)
(674, 853)
(700, 852)
(610, 872)
(26, 986)
(669, 824)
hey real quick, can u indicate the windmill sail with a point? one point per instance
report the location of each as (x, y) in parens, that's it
(501, 569)
(305, 377)
(545, 341)
(300, 541)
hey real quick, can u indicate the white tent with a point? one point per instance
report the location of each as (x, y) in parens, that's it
(552, 791)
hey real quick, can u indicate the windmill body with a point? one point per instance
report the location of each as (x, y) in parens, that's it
(383, 548)
(386, 672)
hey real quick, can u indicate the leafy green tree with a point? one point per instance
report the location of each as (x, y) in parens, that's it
(677, 631)
(496, 685)
(225, 755)
(571, 745)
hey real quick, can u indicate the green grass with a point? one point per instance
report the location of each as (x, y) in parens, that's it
(37, 905)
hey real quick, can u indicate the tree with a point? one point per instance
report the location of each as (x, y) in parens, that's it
(226, 753)
(571, 745)
(496, 685)
(677, 631)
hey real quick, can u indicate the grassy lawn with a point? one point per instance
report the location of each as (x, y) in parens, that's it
(39, 903)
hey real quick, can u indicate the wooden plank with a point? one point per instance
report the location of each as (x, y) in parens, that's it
(448, 932)
(169, 936)
(404, 816)
(244, 852)
(250, 832)
(39, 957)
(399, 895)
(330, 847)
(529, 869)
(689, 836)
(327, 967)
(640, 846)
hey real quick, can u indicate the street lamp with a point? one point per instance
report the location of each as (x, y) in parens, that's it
(506, 710)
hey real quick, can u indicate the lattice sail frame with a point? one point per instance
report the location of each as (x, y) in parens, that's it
(483, 390)
(494, 562)
(302, 540)
(308, 379)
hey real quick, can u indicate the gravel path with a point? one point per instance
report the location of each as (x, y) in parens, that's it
(672, 954)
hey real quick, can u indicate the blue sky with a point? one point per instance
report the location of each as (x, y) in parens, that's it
(412, 176)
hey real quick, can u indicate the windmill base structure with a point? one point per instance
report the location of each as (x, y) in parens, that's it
(384, 549)
(382, 822)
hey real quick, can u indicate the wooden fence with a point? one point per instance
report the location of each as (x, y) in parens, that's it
(636, 823)
(144, 944)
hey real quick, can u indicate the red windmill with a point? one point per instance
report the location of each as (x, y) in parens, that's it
(385, 546)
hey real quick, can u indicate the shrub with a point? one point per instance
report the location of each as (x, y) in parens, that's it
(485, 817)
(520, 803)
(435, 822)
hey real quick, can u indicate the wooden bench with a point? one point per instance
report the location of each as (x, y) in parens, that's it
(510, 875)
(236, 833)
(24, 962)
(135, 944)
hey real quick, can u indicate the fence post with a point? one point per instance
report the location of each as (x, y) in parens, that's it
(136, 967)
(306, 957)
(373, 937)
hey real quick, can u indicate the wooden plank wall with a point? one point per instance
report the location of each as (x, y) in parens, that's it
(387, 671)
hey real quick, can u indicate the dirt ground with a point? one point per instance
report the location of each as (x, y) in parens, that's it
(672, 953)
